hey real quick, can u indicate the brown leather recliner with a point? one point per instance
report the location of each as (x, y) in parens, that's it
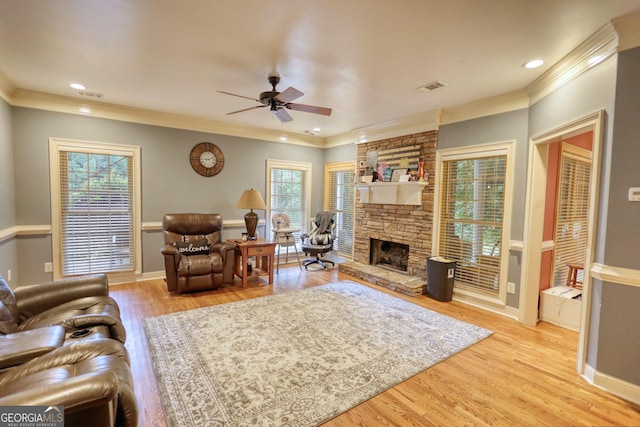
(90, 378)
(75, 304)
(195, 257)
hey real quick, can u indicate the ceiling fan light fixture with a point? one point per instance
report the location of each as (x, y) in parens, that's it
(280, 102)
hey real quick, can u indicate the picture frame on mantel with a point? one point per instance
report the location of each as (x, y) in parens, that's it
(397, 173)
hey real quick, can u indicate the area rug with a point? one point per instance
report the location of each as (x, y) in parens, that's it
(294, 359)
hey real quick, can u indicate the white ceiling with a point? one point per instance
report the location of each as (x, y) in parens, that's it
(362, 58)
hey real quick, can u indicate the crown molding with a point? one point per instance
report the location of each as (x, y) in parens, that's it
(628, 29)
(593, 51)
(6, 88)
(63, 104)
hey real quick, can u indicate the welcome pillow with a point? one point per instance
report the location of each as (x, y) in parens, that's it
(199, 247)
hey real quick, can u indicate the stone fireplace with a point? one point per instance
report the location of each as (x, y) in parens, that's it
(403, 224)
(388, 254)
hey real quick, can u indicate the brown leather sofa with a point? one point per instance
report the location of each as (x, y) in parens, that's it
(61, 343)
(74, 303)
(91, 379)
(195, 257)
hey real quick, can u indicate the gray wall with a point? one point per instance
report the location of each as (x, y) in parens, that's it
(169, 184)
(8, 249)
(498, 128)
(341, 153)
(618, 342)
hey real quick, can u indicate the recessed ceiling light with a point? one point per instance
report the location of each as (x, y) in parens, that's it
(535, 63)
(78, 86)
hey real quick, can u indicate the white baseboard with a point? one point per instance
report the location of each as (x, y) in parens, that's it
(151, 275)
(613, 385)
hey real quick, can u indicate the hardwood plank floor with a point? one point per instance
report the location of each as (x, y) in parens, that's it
(520, 376)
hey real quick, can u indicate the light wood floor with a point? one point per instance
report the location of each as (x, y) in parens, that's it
(520, 376)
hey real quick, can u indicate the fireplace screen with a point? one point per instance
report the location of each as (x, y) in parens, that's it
(389, 254)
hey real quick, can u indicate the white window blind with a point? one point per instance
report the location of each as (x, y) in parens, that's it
(472, 203)
(96, 213)
(340, 199)
(571, 229)
(288, 195)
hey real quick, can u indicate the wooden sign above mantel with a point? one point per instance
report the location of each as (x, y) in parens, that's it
(408, 154)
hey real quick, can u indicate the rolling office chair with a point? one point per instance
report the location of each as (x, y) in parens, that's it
(320, 239)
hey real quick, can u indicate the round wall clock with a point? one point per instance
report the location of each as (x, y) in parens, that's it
(206, 159)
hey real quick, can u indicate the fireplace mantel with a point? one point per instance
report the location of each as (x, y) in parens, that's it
(392, 193)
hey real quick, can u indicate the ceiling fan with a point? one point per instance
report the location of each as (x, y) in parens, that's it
(280, 102)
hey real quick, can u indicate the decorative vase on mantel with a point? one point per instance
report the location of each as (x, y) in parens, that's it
(420, 170)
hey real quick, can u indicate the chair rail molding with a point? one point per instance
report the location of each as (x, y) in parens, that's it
(24, 230)
(618, 275)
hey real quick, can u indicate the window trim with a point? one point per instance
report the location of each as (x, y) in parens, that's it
(306, 167)
(57, 145)
(479, 151)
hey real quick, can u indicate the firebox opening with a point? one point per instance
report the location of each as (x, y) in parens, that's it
(393, 255)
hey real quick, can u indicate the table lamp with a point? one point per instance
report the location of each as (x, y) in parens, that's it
(251, 199)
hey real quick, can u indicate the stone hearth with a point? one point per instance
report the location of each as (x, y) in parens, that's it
(399, 282)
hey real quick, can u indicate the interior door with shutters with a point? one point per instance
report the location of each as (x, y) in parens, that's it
(572, 213)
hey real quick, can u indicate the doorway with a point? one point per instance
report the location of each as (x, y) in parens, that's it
(538, 170)
(566, 212)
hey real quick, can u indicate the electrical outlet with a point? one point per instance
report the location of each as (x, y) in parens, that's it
(511, 288)
(9, 275)
(48, 267)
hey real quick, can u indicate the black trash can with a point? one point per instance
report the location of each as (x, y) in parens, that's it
(440, 276)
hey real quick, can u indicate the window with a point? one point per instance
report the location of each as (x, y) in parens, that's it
(288, 192)
(472, 207)
(340, 198)
(94, 210)
(571, 230)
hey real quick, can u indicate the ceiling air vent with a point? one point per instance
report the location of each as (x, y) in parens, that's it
(90, 94)
(432, 86)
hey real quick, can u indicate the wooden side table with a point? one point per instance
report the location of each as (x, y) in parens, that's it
(263, 250)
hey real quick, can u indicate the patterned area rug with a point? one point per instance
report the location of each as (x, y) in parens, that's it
(294, 359)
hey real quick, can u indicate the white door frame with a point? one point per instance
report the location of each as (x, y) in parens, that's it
(535, 201)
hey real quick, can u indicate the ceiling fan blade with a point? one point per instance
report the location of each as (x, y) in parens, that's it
(288, 95)
(246, 109)
(309, 109)
(239, 96)
(282, 115)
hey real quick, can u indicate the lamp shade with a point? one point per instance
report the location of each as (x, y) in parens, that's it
(251, 199)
